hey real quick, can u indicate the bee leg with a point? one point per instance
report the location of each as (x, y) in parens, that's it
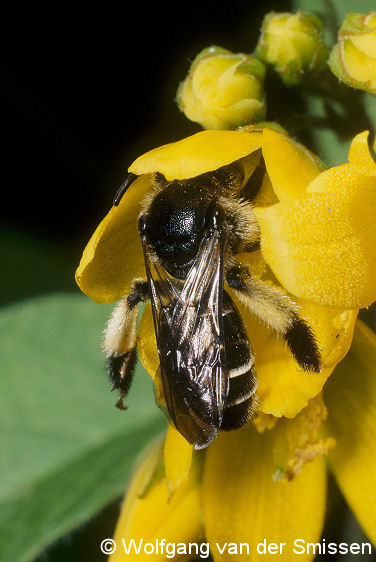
(279, 312)
(119, 343)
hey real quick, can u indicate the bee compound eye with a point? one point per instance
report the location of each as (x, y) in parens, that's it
(214, 216)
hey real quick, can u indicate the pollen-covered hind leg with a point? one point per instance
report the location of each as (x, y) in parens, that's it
(279, 312)
(119, 343)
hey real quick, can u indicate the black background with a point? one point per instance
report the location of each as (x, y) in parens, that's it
(84, 92)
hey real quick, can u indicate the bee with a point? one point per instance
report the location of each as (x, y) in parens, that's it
(191, 232)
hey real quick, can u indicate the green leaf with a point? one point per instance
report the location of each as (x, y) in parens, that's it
(340, 8)
(33, 266)
(66, 450)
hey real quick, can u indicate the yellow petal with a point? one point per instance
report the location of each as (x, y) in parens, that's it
(242, 503)
(239, 113)
(254, 260)
(266, 195)
(365, 42)
(197, 154)
(360, 156)
(334, 329)
(113, 257)
(291, 166)
(339, 179)
(350, 396)
(284, 389)
(149, 516)
(193, 107)
(206, 75)
(177, 460)
(146, 342)
(148, 354)
(321, 246)
(358, 66)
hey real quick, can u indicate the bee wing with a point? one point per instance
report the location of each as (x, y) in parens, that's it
(190, 340)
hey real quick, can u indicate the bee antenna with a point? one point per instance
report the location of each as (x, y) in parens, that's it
(123, 188)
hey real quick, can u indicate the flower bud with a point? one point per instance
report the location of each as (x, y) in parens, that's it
(353, 58)
(293, 44)
(223, 90)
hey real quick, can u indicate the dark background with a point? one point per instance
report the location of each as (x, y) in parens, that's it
(84, 92)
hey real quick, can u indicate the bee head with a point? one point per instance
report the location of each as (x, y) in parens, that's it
(174, 223)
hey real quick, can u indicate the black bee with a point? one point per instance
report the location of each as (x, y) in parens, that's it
(191, 231)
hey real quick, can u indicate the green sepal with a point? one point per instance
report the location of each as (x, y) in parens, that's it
(208, 52)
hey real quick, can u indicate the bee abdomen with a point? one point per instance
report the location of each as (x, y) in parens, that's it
(240, 403)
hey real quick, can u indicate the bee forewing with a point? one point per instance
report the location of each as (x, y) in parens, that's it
(190, 340)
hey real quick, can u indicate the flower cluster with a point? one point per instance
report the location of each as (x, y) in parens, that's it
(224, 90)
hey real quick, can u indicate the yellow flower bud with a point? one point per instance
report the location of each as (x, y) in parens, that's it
(293, 44)
(353, 58)
(223, 90)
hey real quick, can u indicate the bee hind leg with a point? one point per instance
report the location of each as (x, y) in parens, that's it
(119, 342)
(303, 345)
(121, 369)
(279, 311)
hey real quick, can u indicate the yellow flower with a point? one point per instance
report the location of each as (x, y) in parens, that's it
(223, 90)
(353, 58)
(317, 242)
(293, 44)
